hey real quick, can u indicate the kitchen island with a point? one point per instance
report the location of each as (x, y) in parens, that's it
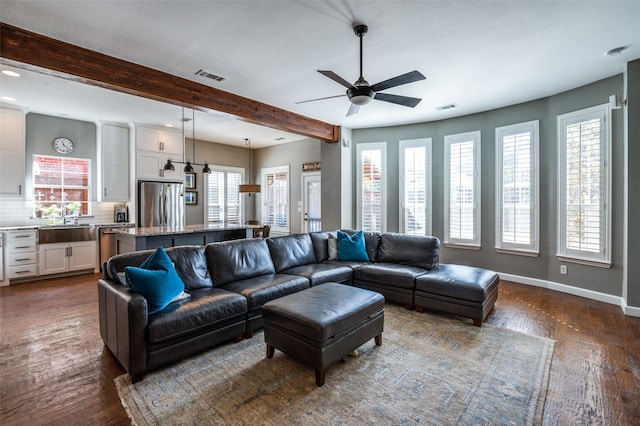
(136, 239)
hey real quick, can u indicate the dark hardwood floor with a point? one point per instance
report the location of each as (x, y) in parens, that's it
(55, 369)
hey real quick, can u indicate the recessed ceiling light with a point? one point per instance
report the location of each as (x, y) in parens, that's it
(168, 125)
(10, 73)
(615, 52)
(7, 98)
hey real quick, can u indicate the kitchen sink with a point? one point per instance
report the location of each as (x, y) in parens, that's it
(67, 233)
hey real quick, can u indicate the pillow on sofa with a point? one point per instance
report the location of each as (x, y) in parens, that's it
(156, 279)
(332, 243)
(352, 247)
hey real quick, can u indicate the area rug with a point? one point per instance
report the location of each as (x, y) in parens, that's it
(430, 369)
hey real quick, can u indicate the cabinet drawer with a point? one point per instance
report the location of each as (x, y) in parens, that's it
(21, 271)
(20, 237)
(25, 246)
(16, 259)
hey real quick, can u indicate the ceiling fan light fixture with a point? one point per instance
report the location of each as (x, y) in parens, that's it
(361, 100)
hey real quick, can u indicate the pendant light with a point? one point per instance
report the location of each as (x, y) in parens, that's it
(188, 168)
(249, 188)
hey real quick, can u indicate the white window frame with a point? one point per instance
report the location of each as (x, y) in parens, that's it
(382, 147)
(532, 128)
(603, 257)
(273, 171)
(449, 141)
(225, 170)
(403, 146)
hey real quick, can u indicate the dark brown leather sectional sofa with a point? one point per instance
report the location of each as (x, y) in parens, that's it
(230, 281)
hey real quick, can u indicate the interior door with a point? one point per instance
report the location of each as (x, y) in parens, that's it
(311, 198)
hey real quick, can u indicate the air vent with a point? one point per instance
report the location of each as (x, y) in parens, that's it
(448, 106)
(203, 73)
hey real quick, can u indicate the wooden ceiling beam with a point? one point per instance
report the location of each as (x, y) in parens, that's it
(47, 55)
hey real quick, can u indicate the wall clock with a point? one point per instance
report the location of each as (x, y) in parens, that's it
(63, 145)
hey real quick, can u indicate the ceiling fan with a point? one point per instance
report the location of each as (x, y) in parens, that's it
(361, 92)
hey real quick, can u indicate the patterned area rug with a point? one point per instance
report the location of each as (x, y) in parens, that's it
(430, 369)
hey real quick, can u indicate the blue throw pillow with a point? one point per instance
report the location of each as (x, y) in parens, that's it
(156, 279)
(352, 247)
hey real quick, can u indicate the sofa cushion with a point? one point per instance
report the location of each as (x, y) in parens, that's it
(352, 247)
(458, 281)
(207, 307)
(156, 279)
(413, 250)
(259, 290)
(290, 251)
(388, 274)
(191, 265)
(320, 273)
(236, 260)
(320, 240)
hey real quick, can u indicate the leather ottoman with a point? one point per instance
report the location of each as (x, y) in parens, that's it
(320, 325)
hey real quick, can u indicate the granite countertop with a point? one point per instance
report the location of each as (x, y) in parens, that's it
(169, 230)
(67, 225)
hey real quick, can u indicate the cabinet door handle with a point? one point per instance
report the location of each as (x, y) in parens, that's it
(105, 192)
(22, 260)
(70, 251)
(21, 236)
(22, 272)
(22, 247)
(19, 189)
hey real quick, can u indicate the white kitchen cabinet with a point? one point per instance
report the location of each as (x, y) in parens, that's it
(21, 254)
(149, 165)
(114, 162)
(12, 152)
(154, 146)
(59, 258)
(159, 140)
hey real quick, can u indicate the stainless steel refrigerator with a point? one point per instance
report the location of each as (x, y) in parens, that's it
(160, 204)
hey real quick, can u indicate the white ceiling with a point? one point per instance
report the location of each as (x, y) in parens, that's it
(479, 55)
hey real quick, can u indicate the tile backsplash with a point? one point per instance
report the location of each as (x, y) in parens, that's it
(19, 213)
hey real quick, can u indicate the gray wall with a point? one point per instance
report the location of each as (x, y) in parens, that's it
(41, 130)
(546, 266)
(215, 154)
(293, 154)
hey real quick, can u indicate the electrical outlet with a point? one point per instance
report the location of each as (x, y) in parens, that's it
(563, 269)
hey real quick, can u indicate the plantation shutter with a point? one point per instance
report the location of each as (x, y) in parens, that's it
(275, 209)
(223, 199)
(371, 190)
(215, 197)
(462, 191)
(233, 212)
(415, 187)
(517, 168)
(583, 186)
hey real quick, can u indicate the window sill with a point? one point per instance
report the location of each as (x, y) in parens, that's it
(528, 253)
(586, 262)
(462, 246)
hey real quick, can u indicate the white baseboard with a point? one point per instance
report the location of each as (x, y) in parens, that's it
(576, 291)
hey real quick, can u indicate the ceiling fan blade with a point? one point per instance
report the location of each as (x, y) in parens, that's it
(335, 77)
(321, 99)
(409, 77)
(396, 99)
(353, 109)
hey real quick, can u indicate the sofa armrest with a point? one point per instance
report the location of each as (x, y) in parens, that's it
(123, 325)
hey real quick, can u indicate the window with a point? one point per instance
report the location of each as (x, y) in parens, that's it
(223, 202)
(584, 179)
(517, 178)
(275, 198)
(61, 185)
(415, 186)
(462, 189)
(371, 181)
